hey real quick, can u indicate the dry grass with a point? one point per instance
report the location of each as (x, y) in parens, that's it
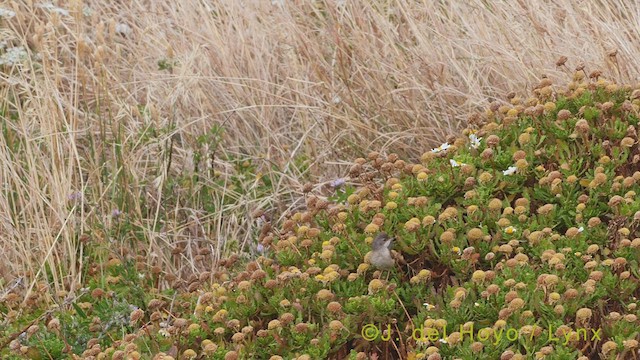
(305, 80)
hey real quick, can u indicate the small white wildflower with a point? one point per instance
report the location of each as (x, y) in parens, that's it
(75, 196)
(475, 141)
(455, 163)
(55, 9)
(87, 11)
(510, 230)
(510, 171)
(440, 148)
(581, 229)
(476, 304)
(7, 14)
(429, 306)
(123, 29)
(444, 341)
(13, 55)
(338, 182)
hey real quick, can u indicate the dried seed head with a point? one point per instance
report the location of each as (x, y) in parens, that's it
(563, 114)
(627, 142)
(582, 126)
(561, 60)
(493, 140)
(231, 355)
(609, 347)
(486, 154)
(334, 307)
(336, 325)
(475, 234)
(478, 276)
(630, 344)
(584, 314)
(287, 318)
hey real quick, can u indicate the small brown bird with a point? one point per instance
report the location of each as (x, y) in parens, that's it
(381, 253)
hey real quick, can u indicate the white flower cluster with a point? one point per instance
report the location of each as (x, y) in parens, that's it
(55, 9)
(474, 141)
(440, 148)
(13, 55)
(7, 14)
(510, 171)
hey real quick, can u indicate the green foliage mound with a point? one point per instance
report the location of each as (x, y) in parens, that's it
(519, 238)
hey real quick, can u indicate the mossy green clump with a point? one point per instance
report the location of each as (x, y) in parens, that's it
(519, 239)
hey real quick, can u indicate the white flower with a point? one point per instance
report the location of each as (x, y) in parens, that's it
(581, 229)
(87, 11)
(510, 230)
(7, 14)
(476, 304)
(55, 9)
(475, 141)
(75, 196)
(429, 306)
(442, 147)
(338, 182)
(13, 55)
(455, 163)
(123, 29)
(510, 171)
(444, 341)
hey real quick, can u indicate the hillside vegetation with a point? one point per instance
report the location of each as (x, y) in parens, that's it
(200, 179)
(526, 226)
